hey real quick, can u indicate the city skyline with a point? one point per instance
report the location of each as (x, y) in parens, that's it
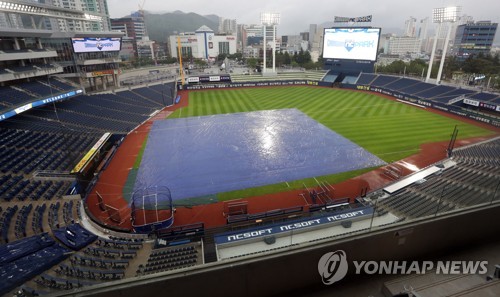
(296, 18)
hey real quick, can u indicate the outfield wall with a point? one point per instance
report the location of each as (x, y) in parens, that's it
(229, 85)
(295, 269)
(427, 103)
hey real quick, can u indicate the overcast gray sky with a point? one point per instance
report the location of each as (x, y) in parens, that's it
(296, 15)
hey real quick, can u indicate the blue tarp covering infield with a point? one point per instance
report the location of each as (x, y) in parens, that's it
(212, 154)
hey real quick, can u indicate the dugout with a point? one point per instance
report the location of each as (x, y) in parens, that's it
(95, 160)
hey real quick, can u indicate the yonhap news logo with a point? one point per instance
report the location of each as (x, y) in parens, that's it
(333, 267)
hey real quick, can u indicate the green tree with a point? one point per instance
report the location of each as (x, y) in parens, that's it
(200, 63)
(252, 63)
(280, 59)
(221, 57)
(236, 56)
(287, 60)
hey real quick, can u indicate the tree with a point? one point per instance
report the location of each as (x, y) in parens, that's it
(280, 59)
(200, 63)
(252, 63)
(307, 57)
(236, 56)
(451, 65)
(221, 57)
(287, 60)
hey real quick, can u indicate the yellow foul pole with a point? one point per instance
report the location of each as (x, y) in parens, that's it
(179, 54)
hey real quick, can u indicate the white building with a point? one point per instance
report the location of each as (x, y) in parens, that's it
(293, 44)
(251, 52)
(202, 44)
(403, 45)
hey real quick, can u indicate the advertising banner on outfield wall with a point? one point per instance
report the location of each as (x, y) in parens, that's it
(426, 103)
(248, 84)
(401, 96)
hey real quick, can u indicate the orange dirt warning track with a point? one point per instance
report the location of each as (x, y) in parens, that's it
(112, 181)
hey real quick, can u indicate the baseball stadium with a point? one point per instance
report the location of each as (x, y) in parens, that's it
(235, 184)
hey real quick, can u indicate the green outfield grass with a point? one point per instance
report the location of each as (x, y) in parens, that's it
(138, 159)
(386, 128)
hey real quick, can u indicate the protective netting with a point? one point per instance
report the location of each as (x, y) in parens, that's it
(152, 209)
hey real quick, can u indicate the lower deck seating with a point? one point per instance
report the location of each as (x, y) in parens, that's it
(474, 180)
(171, 258)
(19, 271)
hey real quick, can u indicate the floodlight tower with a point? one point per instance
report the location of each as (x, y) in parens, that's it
(269, 19)
(441, 15)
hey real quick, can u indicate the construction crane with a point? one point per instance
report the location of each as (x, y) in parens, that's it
(141, 8)
(143, 16)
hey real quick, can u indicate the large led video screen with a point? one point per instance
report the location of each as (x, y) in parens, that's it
(351, 43)
(88, 44)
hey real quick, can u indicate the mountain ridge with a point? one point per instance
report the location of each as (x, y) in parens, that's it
(160, 26)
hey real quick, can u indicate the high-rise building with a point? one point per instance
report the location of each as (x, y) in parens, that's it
(410, 27)
(97, 15)
(69, 35)
(305, 36)
(132, 26)
(474, 38)
(403, 45)
(293, 43)
(313, 34)
(424, 28)
(227, 26)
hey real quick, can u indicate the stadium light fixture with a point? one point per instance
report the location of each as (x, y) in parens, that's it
(269, 19)
(442, 15)
(446, 14)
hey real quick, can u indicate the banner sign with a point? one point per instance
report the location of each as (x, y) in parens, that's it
(23, 108)
(208, 79)
(102, 72)
(361, 19)
(436, 105)
(90, 154)
(471, 102)
(247, 84)
(293, 225)
(31, 105)
(488, 105)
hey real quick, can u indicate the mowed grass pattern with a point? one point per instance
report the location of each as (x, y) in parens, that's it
(390, 130)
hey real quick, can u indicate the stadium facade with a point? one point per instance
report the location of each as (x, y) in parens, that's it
(47, 30)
